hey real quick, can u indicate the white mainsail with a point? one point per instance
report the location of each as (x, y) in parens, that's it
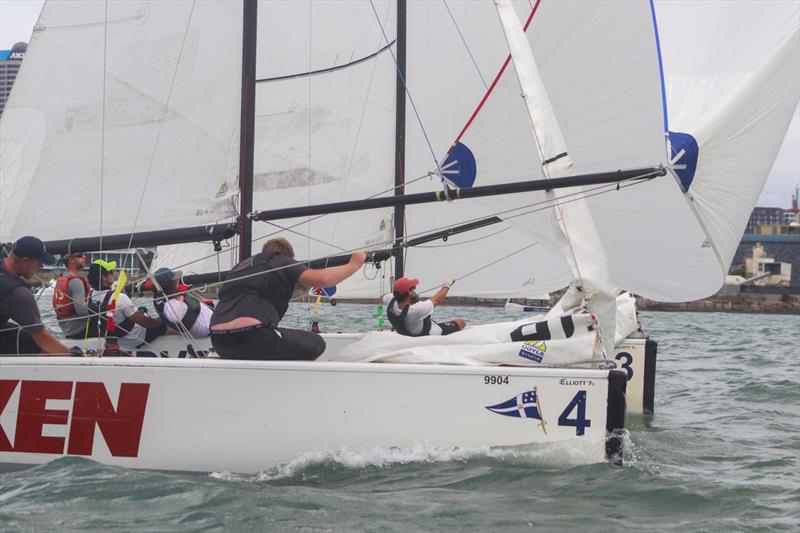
(123, 117)
(326, 136)
(324, 131)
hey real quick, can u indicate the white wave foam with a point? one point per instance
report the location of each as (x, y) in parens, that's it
(561, 454)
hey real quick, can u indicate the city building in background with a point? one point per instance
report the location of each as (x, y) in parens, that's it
(775, 220)
(769, 251)
(10, 61)
(761, 269)
(792, 215)
(760, 216)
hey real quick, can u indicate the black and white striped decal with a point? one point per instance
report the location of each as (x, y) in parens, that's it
(556, 328)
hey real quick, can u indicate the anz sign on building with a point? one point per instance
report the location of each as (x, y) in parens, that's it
(17, 52)
(10, 60)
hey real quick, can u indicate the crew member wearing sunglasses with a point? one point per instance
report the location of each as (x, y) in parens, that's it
(70, 296)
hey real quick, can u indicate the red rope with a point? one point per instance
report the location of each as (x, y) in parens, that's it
(494, 83)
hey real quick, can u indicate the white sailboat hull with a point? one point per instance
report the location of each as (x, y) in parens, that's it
(634, 356)
(246, 416)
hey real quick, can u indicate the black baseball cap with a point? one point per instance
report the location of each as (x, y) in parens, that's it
(33, 248)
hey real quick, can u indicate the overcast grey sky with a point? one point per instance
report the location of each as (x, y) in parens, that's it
(17, 17)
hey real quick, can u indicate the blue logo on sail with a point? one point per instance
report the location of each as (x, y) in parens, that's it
(459, 167)
(525, 405)
(685, 165)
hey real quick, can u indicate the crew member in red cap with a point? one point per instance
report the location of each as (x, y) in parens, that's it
(26, 334)
(411, 317)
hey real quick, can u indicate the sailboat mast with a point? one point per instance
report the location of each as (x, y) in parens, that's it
(247, 125)
(400, 139)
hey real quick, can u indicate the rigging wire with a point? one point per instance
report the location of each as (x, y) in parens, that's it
(445, 188)
(205, 287)
(162, 121)
(182, 329)
(103, 126)
(507, 215)
(521, 211)
(308, 156)
(534, 207)
(463, 40)
(355, 144)
(463, 242)
(296, 224)
(484, 267)
(103, 118)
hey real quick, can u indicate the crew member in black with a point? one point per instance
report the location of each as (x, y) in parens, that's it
(26, 335)
(256, 296)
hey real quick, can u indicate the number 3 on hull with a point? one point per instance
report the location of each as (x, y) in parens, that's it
(637, 358)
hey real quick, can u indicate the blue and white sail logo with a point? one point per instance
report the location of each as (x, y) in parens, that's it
(524, 405)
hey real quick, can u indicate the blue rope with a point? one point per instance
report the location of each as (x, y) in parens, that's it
(413, 106)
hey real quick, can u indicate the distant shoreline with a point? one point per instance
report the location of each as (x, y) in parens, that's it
(761, 304)
(722, 304)
(757, 303)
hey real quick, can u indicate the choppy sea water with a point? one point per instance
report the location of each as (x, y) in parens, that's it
(721, 453)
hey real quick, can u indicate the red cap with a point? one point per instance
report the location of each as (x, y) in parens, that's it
(403, 285)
